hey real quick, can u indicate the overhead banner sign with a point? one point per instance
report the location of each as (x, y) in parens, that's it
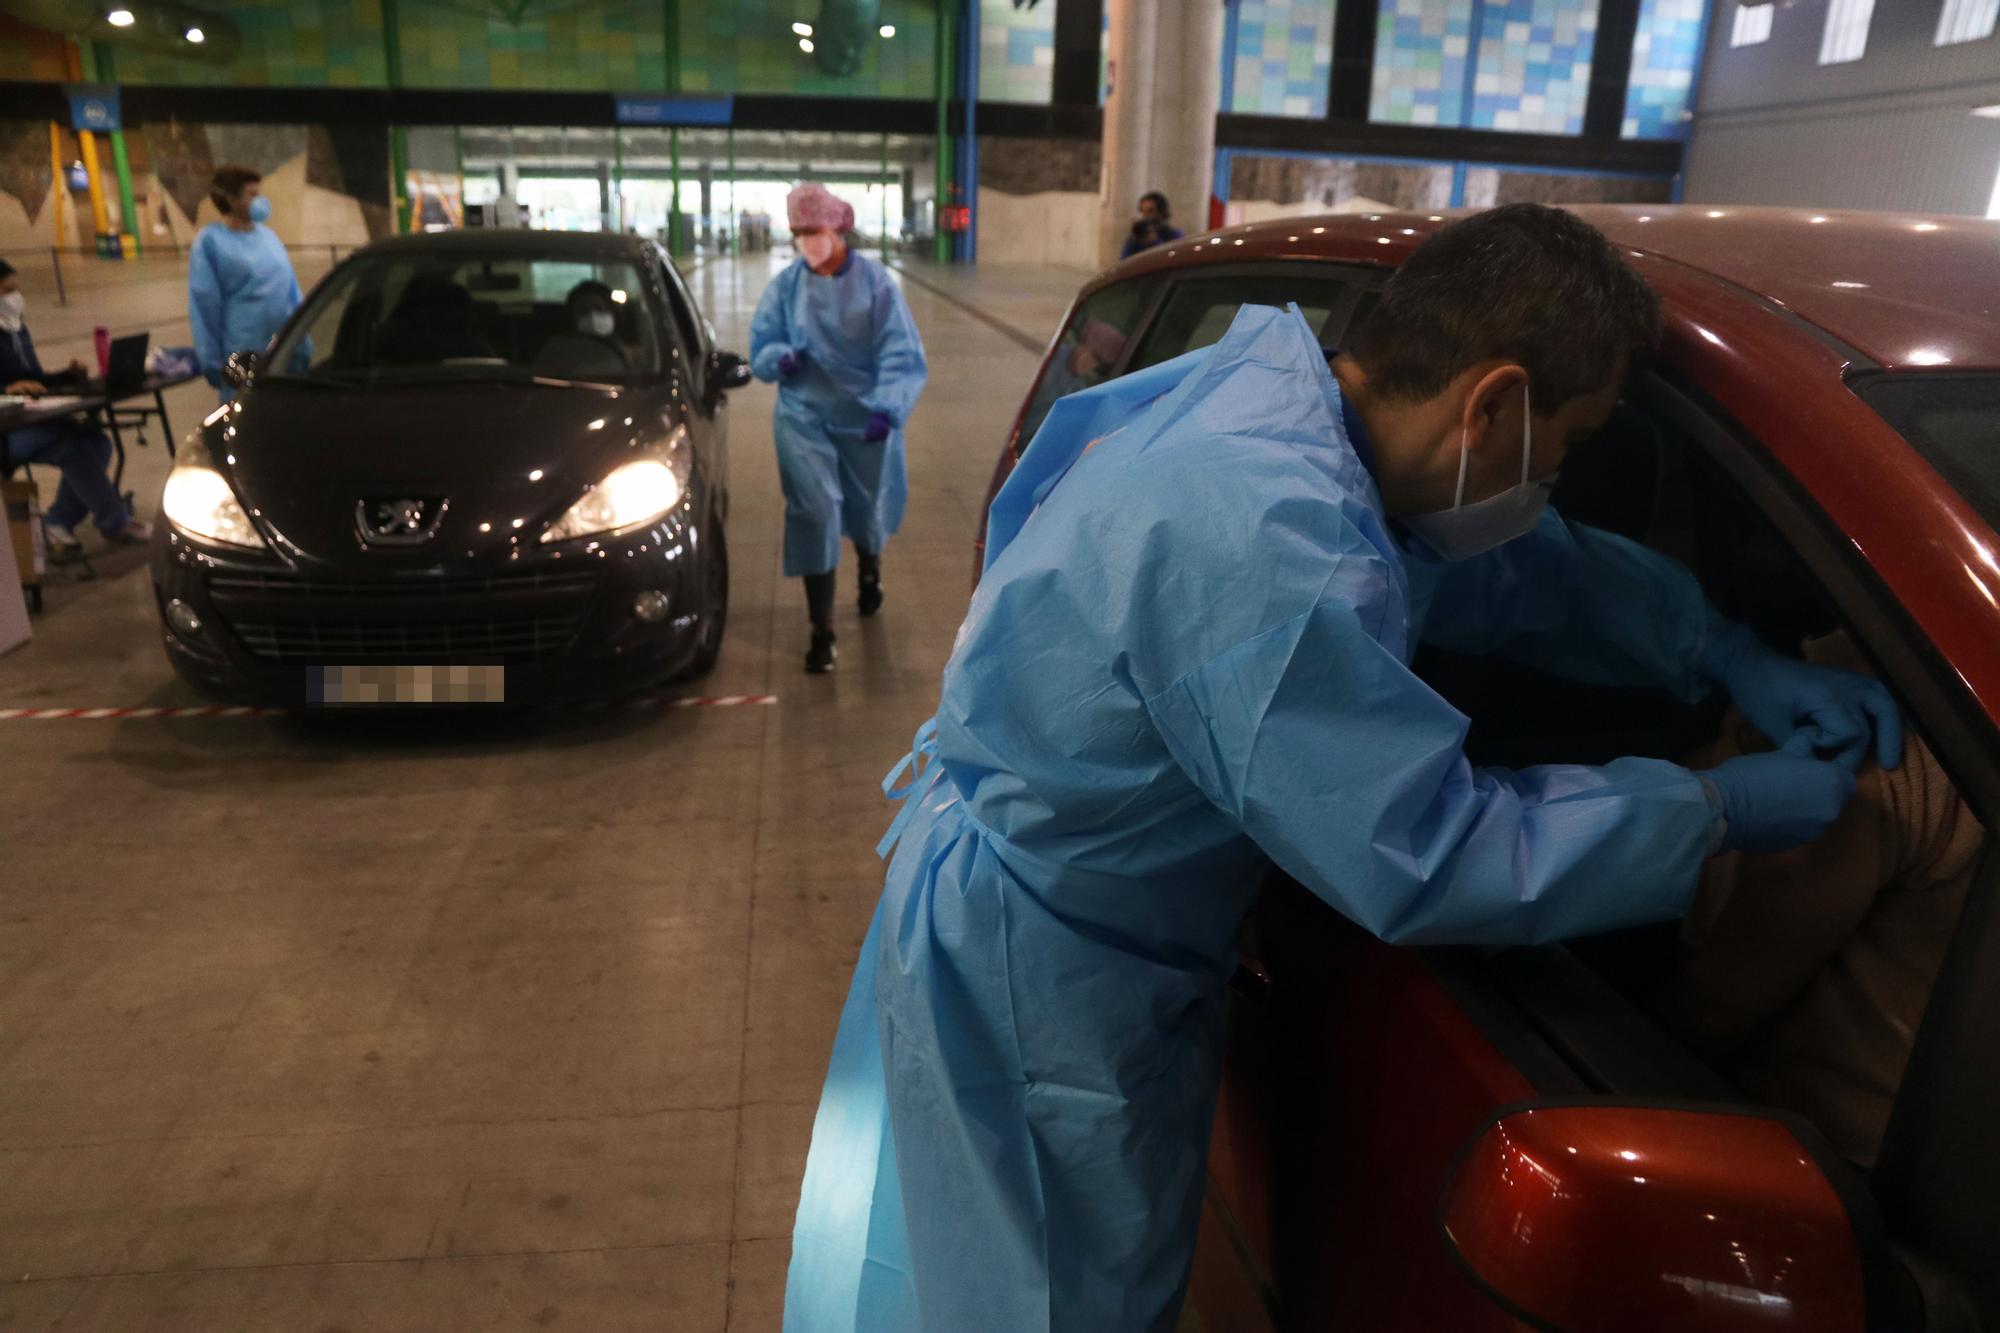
(93, 106)
(675, 110)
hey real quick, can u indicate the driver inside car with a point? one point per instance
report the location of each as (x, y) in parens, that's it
(1803, 974)
(589, 346)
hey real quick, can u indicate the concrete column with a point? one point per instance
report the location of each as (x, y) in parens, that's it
(1187, 166)
(606, 208)
(706, 175)
(1127, 121)
(1159, 120)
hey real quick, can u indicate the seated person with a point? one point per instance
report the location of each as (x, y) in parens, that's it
(589, 346)
(76, 447)
(1804, 974)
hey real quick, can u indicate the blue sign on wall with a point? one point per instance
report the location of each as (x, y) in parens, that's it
(675, 110)
(93, 106)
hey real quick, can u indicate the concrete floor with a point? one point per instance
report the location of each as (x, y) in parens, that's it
(430, 1024)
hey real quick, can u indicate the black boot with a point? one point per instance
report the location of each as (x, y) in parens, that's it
(819, 605)
(822, 655)
(871, 581)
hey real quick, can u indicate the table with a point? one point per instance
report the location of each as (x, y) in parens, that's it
(89, 400)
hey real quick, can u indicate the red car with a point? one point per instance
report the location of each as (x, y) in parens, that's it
(1464, 1140)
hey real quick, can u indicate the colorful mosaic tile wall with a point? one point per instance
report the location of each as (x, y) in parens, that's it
(619, 45)
(1017, 51)
(1534, 65)
(286, 43)
(611, 44)
(1665, 52)
(1284, 57)
(747, 46)
(1421, 47)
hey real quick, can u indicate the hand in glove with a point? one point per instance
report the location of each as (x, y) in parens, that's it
(1834, 712)
(791, 363)
(1777, 801)
(877, 429)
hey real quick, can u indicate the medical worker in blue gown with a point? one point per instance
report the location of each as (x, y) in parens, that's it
(836, 335)
(1189, 658)
(241, 288)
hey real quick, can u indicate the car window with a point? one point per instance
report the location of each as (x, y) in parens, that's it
(1089, 348)
(411, 316)
(1800, 977)
(1954, 422)
(1198, 311)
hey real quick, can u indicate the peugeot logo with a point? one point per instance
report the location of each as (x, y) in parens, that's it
(398, 522)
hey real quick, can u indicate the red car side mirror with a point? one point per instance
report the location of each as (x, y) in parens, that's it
(1601, 1218)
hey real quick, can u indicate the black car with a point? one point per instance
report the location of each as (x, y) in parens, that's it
(473, 468)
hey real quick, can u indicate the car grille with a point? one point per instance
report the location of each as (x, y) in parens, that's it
(541, 636)
(521, 617)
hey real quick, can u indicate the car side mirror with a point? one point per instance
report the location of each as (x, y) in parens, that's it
(728, 370)
(241, 368)
(1602, 1218)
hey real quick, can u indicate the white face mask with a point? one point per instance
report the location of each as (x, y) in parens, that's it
(817, 249)
(1466, 530)
(598, 323)
(12, 306)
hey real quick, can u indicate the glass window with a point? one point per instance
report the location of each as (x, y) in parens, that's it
(1283, 57)
(1845, 37)
(1966, 21)
(1199, 311)
(1666, 48)
(1089, 348)
(450, 316)
(1752, 26)
(1954, 422)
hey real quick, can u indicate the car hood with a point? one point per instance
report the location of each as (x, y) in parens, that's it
(503, 460)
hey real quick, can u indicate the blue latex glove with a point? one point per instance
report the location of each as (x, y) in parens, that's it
(878, 428)
(1773, 802)
(1835, 711)
(790, 363)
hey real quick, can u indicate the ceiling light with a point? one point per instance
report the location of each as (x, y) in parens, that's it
(1817, 218)
(806, 45)
(802, 29)
(888, 30)
(1852, 286)
(1990, 112)
(1925, 226)
(196, 35)
(120, 18)
(1928, 356)
(1645, 217)
(1717, 213)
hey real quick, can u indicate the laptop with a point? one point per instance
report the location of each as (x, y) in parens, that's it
(127, 370)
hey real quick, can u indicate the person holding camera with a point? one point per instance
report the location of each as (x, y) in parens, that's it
(1154, 226)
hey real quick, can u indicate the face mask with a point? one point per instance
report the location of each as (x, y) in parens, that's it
(12, 306)
(260, 209)
(1466, 530)
(598, 323)
(816, 249)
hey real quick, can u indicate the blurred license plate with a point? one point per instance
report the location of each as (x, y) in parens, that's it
(375, 685)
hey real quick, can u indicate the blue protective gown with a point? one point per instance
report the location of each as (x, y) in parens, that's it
(861, 355)
(241, 290)
(1188, 659)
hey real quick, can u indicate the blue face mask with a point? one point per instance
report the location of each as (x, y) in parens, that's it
(260, 209)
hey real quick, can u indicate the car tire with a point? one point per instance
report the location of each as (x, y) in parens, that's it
(715, 612)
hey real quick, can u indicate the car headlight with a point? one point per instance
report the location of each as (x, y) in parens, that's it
(634, 495)
(198, 500)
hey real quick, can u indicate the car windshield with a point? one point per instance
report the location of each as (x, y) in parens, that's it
(409, 318)
(1954, 422)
